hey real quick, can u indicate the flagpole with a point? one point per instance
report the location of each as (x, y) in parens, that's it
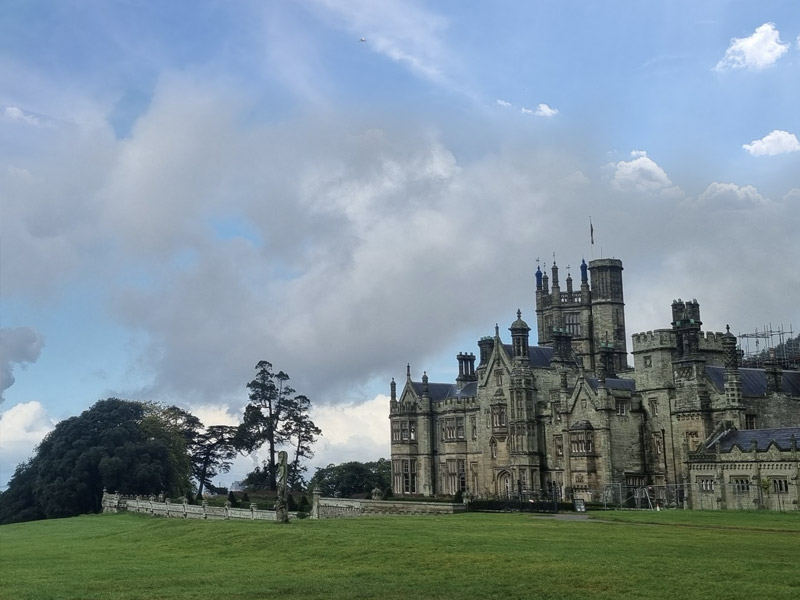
(591, 235)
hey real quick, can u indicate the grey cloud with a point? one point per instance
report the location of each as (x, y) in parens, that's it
(18, 346)
(369, 247)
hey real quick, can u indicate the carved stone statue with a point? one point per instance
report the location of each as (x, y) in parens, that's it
(281, 504)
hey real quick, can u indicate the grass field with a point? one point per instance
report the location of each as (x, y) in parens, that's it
(669, 554)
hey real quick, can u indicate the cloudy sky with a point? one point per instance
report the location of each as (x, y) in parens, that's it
(345, 187)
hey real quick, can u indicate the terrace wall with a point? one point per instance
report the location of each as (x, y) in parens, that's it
(322, 508)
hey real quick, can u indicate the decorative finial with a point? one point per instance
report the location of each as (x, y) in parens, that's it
(408, 370)
(519, 314)
(727, 328)
(496, 330)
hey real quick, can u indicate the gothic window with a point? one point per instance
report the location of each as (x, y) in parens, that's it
(634, 480)
(498, 378)
(473, 425)
(460, 428)
(780, 485)
(622, 408)
(462, 476)
(559, 445)
(499, 416)
(404, 431)
(705, 484)
(412, 431)
(653, 407)
(749, 421)
(580, 442)
(396, 431)
(405, 476)
(648, 361)
(572, 322)
(741, 485)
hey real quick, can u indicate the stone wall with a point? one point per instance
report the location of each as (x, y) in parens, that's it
(165, 508)
(331, 508)
(323, 508)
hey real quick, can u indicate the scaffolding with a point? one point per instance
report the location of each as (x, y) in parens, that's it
(770, 344)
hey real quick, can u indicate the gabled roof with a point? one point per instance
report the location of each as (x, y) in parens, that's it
(443, 391)
(744, 439)
(754, 381)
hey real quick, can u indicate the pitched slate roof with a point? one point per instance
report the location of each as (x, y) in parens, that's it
(781, 437)
(443, 391)
(539, 355)
(754, 381)
(613, 383)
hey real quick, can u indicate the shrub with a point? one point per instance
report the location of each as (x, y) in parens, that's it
(304, 505)
(232, 499)
(290, 503)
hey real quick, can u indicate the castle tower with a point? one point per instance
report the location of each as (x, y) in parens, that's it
(608, 310)
(591, 316)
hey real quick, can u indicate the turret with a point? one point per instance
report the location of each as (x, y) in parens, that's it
(687, 325)
(733, 378)
(519, 337)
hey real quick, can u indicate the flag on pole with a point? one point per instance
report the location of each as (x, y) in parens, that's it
(591, 231)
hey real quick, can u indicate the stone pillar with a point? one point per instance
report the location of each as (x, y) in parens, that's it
(315, 502)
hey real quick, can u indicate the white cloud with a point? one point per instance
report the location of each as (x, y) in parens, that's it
(793, 195)
(542, 110)
(18, 346)
(758, 51)
(26, 423)
(775, 142)
(730, 195)
(403, 31)
(22, 427)
(215, 414)
(642, 174)
(503, 103)
(17, 114)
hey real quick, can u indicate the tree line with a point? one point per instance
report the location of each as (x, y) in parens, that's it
(139, 448)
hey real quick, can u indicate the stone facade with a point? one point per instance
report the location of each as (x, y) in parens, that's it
(569, 416)
(748, 469)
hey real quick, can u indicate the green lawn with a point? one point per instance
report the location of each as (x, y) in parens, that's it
(687, 555)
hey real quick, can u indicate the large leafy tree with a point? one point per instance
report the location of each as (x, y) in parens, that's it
(352, 478)
(212, 454)
(116, 444)
(276, 416)
(211, 449)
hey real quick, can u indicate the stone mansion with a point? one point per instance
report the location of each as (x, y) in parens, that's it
(570, 417)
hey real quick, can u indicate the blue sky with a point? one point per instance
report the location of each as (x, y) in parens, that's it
(190, 187)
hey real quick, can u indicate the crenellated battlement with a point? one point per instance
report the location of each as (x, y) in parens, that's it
(710, 340)
(458, 401)
(659, 339)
